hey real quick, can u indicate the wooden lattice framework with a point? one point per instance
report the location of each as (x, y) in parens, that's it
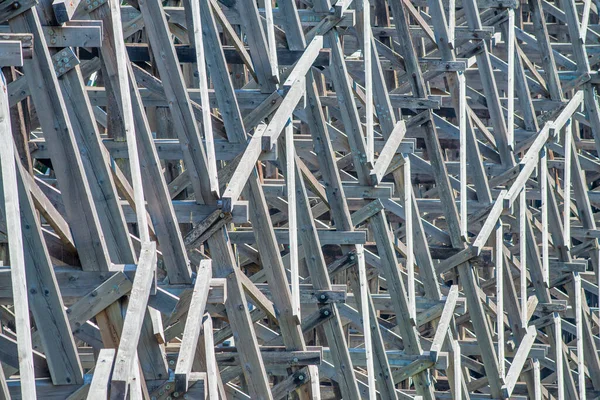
(299, 199)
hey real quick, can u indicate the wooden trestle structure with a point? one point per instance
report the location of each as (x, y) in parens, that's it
(302, 199)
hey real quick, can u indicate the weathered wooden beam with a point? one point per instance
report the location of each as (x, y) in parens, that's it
(134, 318)
(193, 326)
(11, 202)
(100, 385)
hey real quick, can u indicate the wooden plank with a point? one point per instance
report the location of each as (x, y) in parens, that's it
(17, 258)
(244, 170)
(519, 361)
(127, 352)
(102, 375)
(386, 155)
(193, 326)
(11, 53)
(445, 318)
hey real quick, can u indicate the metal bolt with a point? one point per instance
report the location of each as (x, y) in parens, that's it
(295, 359)
(61, 70)
(176, 394)
(16, 5)
(301, 377)
(53, 41)
(171, 362)
(95, 4)
(64, 53)
(326, 312)
(65, 60)
(167, 387)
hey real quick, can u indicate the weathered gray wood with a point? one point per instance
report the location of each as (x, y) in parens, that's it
(446, 317)
(81, 211)
(44, 296)
(186, 126)
(441, 78)
(126, 356)
(11, 53)
(102, 375)
(10, 200)
(193, 326)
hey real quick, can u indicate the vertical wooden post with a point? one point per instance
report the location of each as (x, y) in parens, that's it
(510, 38)
(195, 27)
(271, 36)
(558, 348)
(462, 120)
(499, 256)
(537, 379)
(128, 124)
(543, 179)
(410, 262)
(366, 50)
(579, 335)
(292, 220)
(364, 295)
(12, 214)
(568, 138)
(523, 252)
